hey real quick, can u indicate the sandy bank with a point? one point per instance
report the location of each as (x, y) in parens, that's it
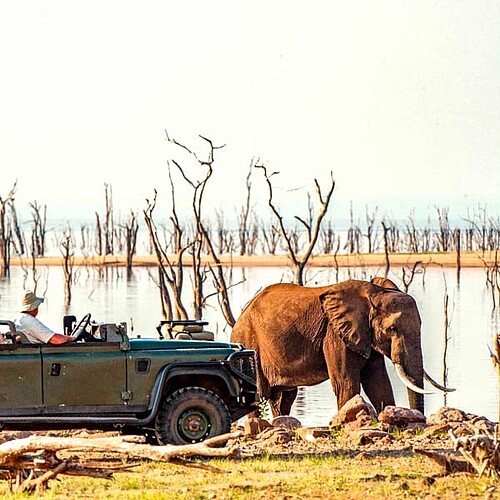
(445, 259)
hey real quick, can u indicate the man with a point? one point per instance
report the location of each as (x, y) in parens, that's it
(34, 330)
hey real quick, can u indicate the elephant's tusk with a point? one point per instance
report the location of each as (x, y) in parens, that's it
(406, 381)
(436, 384)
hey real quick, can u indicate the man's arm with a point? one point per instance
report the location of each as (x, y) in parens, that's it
(57, 338)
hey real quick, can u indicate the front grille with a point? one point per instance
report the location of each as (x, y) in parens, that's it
(243, 364)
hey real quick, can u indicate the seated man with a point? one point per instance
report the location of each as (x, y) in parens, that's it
(34, 330)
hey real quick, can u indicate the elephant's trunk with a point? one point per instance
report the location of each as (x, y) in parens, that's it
(416, 401)
(409, 367)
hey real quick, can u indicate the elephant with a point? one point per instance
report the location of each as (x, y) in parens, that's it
(305, 335)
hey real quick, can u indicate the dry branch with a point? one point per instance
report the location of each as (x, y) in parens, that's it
(30, 463)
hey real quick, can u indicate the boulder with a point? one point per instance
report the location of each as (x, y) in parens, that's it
(400, 417)
(312, 433)
(446, 415)
(276, 435)
(367, 436)
(355, 409)
(254, 426)
(290, 423)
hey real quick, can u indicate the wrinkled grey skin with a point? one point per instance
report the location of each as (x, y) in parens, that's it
(303, 336)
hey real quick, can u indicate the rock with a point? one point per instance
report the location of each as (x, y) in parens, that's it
(436, 430)
(362, 421)
(400, 417)
(287, 422)
(445, 415)
(276, 435)
(353, 410)
(255, 425)
(312, 433)
(367, 436)
(483, 425)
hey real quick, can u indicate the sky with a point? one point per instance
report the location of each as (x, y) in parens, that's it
(399, 100)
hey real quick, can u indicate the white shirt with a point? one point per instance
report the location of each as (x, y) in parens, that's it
(33, 328)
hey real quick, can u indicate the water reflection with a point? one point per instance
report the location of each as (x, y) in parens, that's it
(112, 294)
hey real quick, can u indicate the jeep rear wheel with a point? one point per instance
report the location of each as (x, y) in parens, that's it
(190, 415)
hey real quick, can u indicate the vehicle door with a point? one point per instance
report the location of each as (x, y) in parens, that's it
(84, 374)
(21, 379)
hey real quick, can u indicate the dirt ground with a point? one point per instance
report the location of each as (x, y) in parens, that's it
(445, 259)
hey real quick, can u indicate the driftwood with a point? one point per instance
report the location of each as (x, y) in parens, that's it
(29, 464)
(481, 453)
(448, 461)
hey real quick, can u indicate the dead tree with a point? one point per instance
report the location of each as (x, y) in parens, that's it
(66, 246)
(98, 234)
(409, 275)
(225, 238)
(170, 271)
(5, 230)
(386, 229)
(253, 236)
(202, 237)
(371, 229)
(39, 229)
(414, 236)
(131, 228)
(18, 242)
(245, 213)
(312, 227)
(327, 238)
(458, 240)
(108, 221)
(492, 270)
(353, 243)
(443, 235)
(271, 238)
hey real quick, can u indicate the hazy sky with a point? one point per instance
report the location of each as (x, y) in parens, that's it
(396, 98)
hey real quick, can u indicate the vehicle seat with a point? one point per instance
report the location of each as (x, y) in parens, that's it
(191, 332)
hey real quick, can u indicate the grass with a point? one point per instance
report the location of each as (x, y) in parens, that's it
(328, 476)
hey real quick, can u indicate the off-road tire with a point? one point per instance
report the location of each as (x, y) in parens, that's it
(191, 415)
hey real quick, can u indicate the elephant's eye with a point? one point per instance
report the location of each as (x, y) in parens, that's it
(392, 330)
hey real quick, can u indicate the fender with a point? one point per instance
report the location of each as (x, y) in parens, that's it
(214, 369)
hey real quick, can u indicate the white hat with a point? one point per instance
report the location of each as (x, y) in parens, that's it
(30, 301)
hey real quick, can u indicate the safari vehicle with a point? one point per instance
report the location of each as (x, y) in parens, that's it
(182, 387)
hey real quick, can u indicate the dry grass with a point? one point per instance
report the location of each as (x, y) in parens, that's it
(329, 468)
(292, 477)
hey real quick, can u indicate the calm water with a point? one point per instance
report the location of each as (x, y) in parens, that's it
(112, 296)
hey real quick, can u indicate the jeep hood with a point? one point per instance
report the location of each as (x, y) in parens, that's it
(153, 344)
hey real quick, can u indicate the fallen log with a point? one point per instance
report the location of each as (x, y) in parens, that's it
(447, 461)
(30, 463)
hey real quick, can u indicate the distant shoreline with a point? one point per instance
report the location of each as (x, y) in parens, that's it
(444, 259)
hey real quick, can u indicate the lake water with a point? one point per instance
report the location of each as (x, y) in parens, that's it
(112, 296)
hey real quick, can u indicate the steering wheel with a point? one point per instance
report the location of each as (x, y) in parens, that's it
(80, 332)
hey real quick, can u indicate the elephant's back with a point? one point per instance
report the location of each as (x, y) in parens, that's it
(277, 309)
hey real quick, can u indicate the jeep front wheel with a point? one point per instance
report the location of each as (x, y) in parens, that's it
(190, 415)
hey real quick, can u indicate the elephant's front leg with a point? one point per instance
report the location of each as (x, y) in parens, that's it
(344, 369)
(376, 382)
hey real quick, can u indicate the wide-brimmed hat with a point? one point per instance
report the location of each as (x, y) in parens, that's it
(29, 301)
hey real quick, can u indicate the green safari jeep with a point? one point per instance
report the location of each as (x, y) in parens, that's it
(180, 388)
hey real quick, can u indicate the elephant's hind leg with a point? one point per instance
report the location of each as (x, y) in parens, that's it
(281, 401)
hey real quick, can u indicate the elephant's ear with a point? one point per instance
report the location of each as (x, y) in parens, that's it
(384, 283)
(348, 313)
